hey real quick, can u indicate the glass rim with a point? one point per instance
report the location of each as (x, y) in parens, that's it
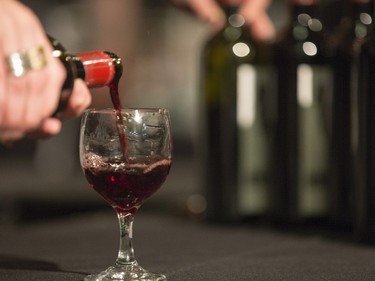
(128, 109)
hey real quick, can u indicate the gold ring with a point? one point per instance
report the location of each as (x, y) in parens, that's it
(21, 62)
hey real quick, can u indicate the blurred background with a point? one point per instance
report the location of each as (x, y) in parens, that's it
(160, 46)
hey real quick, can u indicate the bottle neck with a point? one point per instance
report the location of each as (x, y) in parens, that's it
(361, 17)
(235, 26)
(305, 25)
(305, 15)
(358, 7)
(298, 8)
(97, 68)
(230, 7)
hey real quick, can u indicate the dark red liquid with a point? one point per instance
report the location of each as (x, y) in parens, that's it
(115, 96)
(116, 101)
(125, 185)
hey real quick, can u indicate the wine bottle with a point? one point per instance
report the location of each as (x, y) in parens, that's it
(96, 68)
(365, 149)
(239, 91)
(304, 118)
(346, 42)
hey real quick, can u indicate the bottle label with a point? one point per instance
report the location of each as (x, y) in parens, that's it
(254, 151)
(246, 95)
(99, 68)
(314, 98)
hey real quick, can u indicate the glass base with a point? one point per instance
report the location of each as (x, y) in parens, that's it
(127, 272)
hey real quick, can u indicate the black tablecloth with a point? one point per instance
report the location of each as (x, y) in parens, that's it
(70, 248)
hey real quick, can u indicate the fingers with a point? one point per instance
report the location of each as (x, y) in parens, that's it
(78, 101)
(255, 14)
(48, 128)
(207, 10)
(263, 29)
(30, 96)
(26, 102)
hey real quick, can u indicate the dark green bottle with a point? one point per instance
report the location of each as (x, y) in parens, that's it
(365, 149)
(346, 41)
(239, 95)
(305, 115)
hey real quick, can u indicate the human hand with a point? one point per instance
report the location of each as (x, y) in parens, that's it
(27, 100)
(254, 12)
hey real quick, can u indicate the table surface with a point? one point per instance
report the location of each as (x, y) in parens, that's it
(70, 248)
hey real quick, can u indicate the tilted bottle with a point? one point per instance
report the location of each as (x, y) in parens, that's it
(346, 42)
(96, 68)
(304, 118)
(238, 91)
(365, 149)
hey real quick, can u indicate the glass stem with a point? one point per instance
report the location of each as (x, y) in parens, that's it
(126, 251)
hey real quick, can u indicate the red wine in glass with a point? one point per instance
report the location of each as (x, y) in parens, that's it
(126, 183)
(125, 171)
(125, 186)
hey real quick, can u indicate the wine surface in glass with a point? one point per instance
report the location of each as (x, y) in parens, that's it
(125, 186)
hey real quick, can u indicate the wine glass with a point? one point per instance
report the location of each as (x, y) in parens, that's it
(126, 156)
